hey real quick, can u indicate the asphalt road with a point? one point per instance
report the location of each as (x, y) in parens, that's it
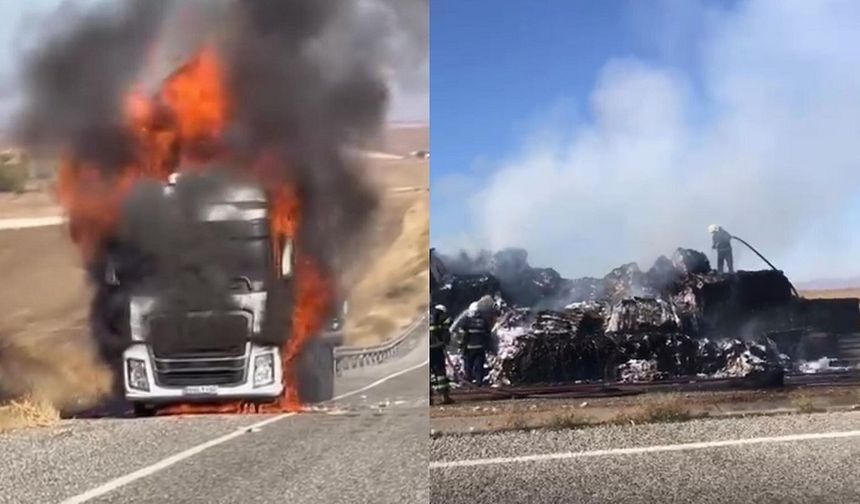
(779, 459)
(370, 445)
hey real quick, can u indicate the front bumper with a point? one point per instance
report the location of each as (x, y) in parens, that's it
(161, 393)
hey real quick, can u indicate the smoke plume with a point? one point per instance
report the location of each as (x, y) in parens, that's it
(760, 139)
(306, 78)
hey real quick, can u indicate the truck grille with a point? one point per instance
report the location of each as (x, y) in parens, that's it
(205, 369)
(186, 335)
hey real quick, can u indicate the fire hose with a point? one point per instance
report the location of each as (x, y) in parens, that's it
(763, 258)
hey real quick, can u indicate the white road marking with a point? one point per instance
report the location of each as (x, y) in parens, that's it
(643, 449)
(169, 461)
(165, 463)
(30, 222)
(381, 380)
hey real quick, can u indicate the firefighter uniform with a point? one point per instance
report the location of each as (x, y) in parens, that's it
(476, 341)
(440, 336)
(722, 243)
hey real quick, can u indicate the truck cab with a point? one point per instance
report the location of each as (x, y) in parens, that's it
(226, 345)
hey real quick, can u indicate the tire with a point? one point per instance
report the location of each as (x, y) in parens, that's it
(142, 410)
(316, 372)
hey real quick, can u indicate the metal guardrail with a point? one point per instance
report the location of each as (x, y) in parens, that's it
(347, 357)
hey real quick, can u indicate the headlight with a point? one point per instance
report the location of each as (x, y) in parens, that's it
(264, 370)
(136, 371)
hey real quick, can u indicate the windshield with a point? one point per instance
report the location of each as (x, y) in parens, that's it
(242, 251)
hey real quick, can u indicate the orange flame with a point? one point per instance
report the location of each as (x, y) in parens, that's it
(92, 202)
(196, 94)
(184, 124)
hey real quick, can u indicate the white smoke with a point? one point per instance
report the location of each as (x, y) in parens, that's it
(762, 139)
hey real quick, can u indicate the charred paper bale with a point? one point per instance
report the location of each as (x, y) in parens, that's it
(643, 314)
(590, 317)
(754, 290)
(626, 281)
(552, 350)
(663, 277)
(756, 361)
(639, 370)
(710, 357)
(585, 289)
(690, 262)
(726, 306)
(674, 354)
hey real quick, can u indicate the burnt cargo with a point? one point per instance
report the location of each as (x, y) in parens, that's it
(839, 315)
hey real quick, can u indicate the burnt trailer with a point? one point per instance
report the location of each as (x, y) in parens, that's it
(678, 318)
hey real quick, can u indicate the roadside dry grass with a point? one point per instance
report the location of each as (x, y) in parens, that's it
(44, 367)
(564, 420)
(569, 420)
(670, 408)
(805, 403)
(517, 421)
(393, 289)
(27, 413)
(647, 408)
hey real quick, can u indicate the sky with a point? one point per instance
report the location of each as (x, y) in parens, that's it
(597, 133)
(21, 23)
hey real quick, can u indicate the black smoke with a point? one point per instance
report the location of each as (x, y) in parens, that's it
(75, 79)
(307, 79)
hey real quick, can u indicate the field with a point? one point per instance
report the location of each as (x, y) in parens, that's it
(831, 293)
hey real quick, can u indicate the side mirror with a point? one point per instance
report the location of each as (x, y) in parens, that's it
(287, 259)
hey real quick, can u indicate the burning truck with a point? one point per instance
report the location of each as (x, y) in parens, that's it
(677, 319)
(206, 299)
(209, 327)
(209, 176)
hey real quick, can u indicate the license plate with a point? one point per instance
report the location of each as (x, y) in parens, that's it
(200, 390)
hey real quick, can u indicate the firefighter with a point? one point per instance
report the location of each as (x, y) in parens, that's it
(722, 243)
(440, 336)
(476, 341)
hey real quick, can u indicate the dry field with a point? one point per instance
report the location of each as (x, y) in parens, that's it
(831, 293)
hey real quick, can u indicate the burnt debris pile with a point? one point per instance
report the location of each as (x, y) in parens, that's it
(678, 318)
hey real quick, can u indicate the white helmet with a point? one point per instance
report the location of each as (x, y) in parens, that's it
(713, 228)
(440, 308)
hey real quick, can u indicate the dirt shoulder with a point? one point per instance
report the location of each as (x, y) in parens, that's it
(644, 408)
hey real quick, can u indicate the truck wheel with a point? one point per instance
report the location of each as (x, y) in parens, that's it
(142, 410)
(316, 373)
